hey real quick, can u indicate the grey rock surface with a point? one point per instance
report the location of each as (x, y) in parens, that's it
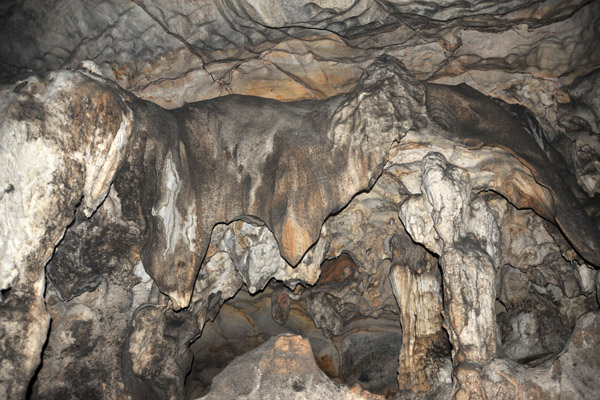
(283, 366)
(182, 180)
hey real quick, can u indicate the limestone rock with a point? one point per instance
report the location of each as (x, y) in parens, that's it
(181, 181)
(360, 242)
(503, 379)
(217, 282)
(419, 296)
(322, 312)
(578, 364)
(469, 255)
(80, 357)
(244, 322)
(598, 286)
(280, 306)
(276, 167)
(105, 245)
(580, 145)
(254, 252)
(154, 352)
(63, 139)
(514, 287)
(501, 131)
(539, 315)
(175, 53)
(283, 366)
(366, 358)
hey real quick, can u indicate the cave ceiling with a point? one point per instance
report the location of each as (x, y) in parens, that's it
(328, 199)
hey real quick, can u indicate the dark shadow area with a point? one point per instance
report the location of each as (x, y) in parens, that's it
(364, 352)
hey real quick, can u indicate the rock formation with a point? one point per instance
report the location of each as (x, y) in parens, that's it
(330, 199)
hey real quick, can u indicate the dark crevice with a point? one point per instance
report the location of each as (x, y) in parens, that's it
(4, 294)
(219, 345)
(33, 381)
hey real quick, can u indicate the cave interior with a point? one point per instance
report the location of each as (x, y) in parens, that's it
(328, 199)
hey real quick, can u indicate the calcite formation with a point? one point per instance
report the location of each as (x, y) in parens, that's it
(326, 199)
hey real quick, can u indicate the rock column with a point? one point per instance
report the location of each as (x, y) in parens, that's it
(459, 227)
(419, 297)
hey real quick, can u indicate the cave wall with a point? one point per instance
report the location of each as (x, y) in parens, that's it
(434, 165)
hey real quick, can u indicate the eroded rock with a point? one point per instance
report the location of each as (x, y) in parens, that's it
(504, 379)
(469, 254)
(132, 193)
(291, 175)
(419, 296)
(64, 137)
(283, 366)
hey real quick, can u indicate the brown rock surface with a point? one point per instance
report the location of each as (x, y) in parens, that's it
(182, 180)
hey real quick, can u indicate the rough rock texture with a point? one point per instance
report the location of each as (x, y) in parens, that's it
(482, 123)
(180, 52)
(506, 380)
(80, 358)
(63, 139)
(284, 366)
(163, 163)
(288, 174)
(467, 240)
(352, 356)
(420, 300)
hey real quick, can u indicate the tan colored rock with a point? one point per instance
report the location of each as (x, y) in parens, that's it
(555, 197)
(157, 357)
(255, 253)
(469, 239)
(290, 176)
(572, 375)
(580, 146)
(86, 350)
(472, 317)
(419, 297)
(532, 78)
(175, 53)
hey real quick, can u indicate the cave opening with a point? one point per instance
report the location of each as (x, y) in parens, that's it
(349, 347)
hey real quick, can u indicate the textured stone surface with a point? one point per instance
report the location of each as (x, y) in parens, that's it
(580, 145)
(157, 357)
(469, 253)
(482, 123)
(419, 296)
(282, 367)
(504, 379)
(288, 174)
(63, 140)
(353, 356)
(149, 226)
(80, 358)
(180, 52)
